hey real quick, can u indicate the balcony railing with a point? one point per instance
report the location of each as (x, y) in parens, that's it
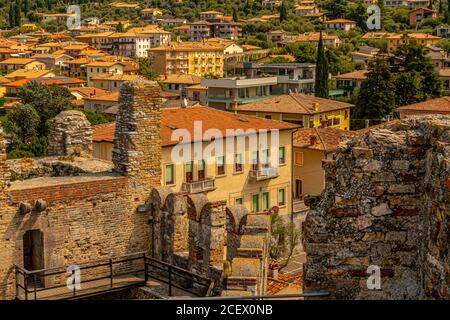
(264, 173)
(199, 186)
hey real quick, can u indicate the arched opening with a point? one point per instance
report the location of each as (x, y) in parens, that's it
(33, 251)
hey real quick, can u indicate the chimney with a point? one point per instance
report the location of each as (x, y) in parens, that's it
(312, 140)
(316, 106)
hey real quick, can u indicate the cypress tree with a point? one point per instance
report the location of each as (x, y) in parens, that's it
(12, 19)
(18, 13)
(321, 82)
(26, 7)
(283, 12)
(235, 15)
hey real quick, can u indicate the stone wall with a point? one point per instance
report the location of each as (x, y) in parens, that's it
(227, 244)
(88, 216)
(70, 134)
(385, 203)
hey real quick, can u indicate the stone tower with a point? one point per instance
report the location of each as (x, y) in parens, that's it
(137, 141)
(70, 134)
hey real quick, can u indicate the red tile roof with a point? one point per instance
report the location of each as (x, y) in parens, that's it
(433, 105)
(184, 118)
(294, 103)
(327, 139)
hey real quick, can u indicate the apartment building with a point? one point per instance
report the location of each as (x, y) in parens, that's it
(396, 40)
(304, 110)
(291, 77)
(256, 177)
(58, 17)
(202, 30)
(96, 68)
(112, 82)
(227, 93)
(417, 15)
(12, 64)
(313, 37)
(197, 58)
(349, 82)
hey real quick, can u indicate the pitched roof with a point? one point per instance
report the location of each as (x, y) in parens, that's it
(117, 77)
(18, 61)
(180, 78)
(28, 74)
(433, 105)
(106, 96)
(88, 91)
(294, 103)
(340, 21)
(188, 46)
(358, 75)
(184, 118)
(327, 138)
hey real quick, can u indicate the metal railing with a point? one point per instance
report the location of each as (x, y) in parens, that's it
(264, 173)
(138, 265)
(207, 184)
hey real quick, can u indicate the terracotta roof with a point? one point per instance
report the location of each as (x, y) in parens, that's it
(180, 78)
(108, 96)
(3, 80)
(294, 103)
(46, 81)
(28, 74)
(444, 72)
(438, 104)
(358, 75)
(188, 46)
(327, 139)
(18, 61)
(340, 21)
(184, 118)
(80, 61)
(103, 63)
(88, 91)
(117, 77)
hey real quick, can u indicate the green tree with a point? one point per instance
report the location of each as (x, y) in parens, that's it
(12, 16)
(321, 82)
(283, 12)
(26, 7)
(146, 69)
(376, 98)
(119, 27)
(22, 123)
(94, 118)
(302, 51)
(284, 238)
(18, 13)
(235, 15)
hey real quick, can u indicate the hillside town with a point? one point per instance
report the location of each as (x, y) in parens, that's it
(347, 164)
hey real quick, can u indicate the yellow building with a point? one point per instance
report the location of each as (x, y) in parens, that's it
(12, 64)
(310, 147)
(395, 40)
(94, 68)
(112, 82)
(197, 58)
(304, 110)
(259, 179)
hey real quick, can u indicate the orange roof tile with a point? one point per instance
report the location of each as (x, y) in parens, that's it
(184, 118)
(294, 103)
(327, 139)
(433, 105)
(358, 75)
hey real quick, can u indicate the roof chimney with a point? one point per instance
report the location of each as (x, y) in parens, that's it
(316, 106)
(312, 140)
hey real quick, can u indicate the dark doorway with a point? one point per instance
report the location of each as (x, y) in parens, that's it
(33, 252)
(298, 189)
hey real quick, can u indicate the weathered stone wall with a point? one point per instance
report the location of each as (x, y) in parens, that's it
(85, 217)
(135, 140)
(385, 203)
(70, 135)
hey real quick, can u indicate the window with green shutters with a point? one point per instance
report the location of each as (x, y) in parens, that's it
(265, 200)
(170, 174)
(238, 201)
(255, 203)
(282, 155)
(281, 197)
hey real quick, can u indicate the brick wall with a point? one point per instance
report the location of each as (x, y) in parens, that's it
(385, 203)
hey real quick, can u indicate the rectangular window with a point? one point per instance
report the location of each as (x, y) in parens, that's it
(282, 155)
(188, 172)
(281, 197)
(255, 203)
(170, 174)
(298, 158)
(266, 201)
(201, 170)
(238, 163)
(255, 160)
(265, 158)
(220, 163)
(238, 201)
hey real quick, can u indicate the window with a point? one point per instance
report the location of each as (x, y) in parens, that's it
(170, 174)
(265, 158)
(299, 158)
(255, 203)
(268, 116)
(281, 197)
(188, 172)
(265, 201)
(238, 201)
(255, 160)
(282, 155)
(238, 167)
(220, 163)
(201, 170)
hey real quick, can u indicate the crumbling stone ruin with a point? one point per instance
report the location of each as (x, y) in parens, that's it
(70, 134)
(386, 203)
(223, 243)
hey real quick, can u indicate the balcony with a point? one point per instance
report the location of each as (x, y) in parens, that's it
(199, 186)
(264, 173)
